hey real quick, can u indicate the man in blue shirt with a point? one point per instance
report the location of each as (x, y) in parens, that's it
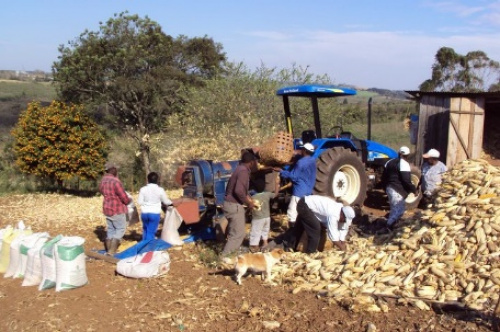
(303, 176)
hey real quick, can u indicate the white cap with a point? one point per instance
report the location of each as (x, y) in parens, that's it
(309, 147)
(348, 213)
(404, 150)
(432, 153)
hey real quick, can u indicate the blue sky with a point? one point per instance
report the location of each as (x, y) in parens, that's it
(385, 44)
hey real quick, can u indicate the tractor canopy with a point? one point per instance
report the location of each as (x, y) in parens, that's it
(313, 92)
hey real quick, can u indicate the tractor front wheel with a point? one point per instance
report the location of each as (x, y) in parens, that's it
(341, 174)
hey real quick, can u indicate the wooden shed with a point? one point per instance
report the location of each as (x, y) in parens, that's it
(459, 125)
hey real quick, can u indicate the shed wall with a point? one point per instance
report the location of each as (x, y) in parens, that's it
(465, 139)
(452, 125)
(432, 126)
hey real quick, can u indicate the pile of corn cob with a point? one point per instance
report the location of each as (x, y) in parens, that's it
(447, 253)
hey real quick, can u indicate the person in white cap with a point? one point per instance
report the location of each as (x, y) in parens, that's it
(396, 179)
(315, 212)
(303, 176)
(432, 170)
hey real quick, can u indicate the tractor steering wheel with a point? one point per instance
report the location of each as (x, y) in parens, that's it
(335, 131)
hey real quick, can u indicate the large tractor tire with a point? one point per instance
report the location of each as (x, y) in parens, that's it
(340, 173)
(412, 201)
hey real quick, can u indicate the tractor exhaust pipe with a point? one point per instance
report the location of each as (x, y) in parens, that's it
(369, 129)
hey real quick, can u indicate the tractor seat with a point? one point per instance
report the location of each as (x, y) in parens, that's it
(347, 135)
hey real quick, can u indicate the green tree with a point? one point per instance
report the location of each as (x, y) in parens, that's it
(58, 142)
(137, 72)
(461, 73)
(494, 87)
(246, 102)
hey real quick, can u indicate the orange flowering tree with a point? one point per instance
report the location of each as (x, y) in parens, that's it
(58, 142)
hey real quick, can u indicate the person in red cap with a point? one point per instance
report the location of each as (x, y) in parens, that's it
(432, 170)
(396, 179)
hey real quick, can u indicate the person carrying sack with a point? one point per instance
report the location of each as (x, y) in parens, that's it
(151, 198)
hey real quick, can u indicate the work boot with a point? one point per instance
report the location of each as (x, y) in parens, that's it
(269, 246)
(115, 243)
(254, 249)
(272, 245)
(107, 244)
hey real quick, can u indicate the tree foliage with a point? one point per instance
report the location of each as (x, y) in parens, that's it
(461, 73)
(232, 111)
(139, 73)
(58, 142)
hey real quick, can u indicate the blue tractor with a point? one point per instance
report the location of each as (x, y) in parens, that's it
(347, 167)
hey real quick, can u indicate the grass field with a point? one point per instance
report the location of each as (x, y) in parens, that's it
(34, 90)
(392, 134)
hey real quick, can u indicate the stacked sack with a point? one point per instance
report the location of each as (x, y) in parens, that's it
(41, 261)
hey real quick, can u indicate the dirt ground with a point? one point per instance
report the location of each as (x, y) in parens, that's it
(192, 296)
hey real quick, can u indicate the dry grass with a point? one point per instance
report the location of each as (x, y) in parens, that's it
(43, 212)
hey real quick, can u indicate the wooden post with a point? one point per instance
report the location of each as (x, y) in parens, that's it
(106, 258)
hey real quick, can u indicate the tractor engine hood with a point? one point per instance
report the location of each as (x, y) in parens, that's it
(379, 151)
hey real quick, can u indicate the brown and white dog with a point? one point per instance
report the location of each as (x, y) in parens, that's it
(258, 262)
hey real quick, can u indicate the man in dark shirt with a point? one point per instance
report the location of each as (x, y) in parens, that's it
(114, 207)
(237, 197)
(397, 183)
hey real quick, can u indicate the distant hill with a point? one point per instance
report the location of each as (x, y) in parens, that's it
(379, 93)
(396, 94)
(15, 94)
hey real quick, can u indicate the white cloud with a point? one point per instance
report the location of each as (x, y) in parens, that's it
(392, 60)
(483, 14)
(272, 35)
(456, 8)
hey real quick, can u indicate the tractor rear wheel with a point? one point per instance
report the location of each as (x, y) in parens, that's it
(412, 201)
(340, 173)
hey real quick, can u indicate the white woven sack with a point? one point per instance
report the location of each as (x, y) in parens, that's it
(14, 256)
(171, 224)
(132, 213)
(5, 249)
(33, 272)
(27, 243)
(48, 264)
(2, 232)
(70, 263)
(8, 237)
(146, 265)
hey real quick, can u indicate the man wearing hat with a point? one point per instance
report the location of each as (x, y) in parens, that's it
(315, 212)
(432, 169)
(396, 179)
(114, 207)
(237, 197)
(303, 176)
